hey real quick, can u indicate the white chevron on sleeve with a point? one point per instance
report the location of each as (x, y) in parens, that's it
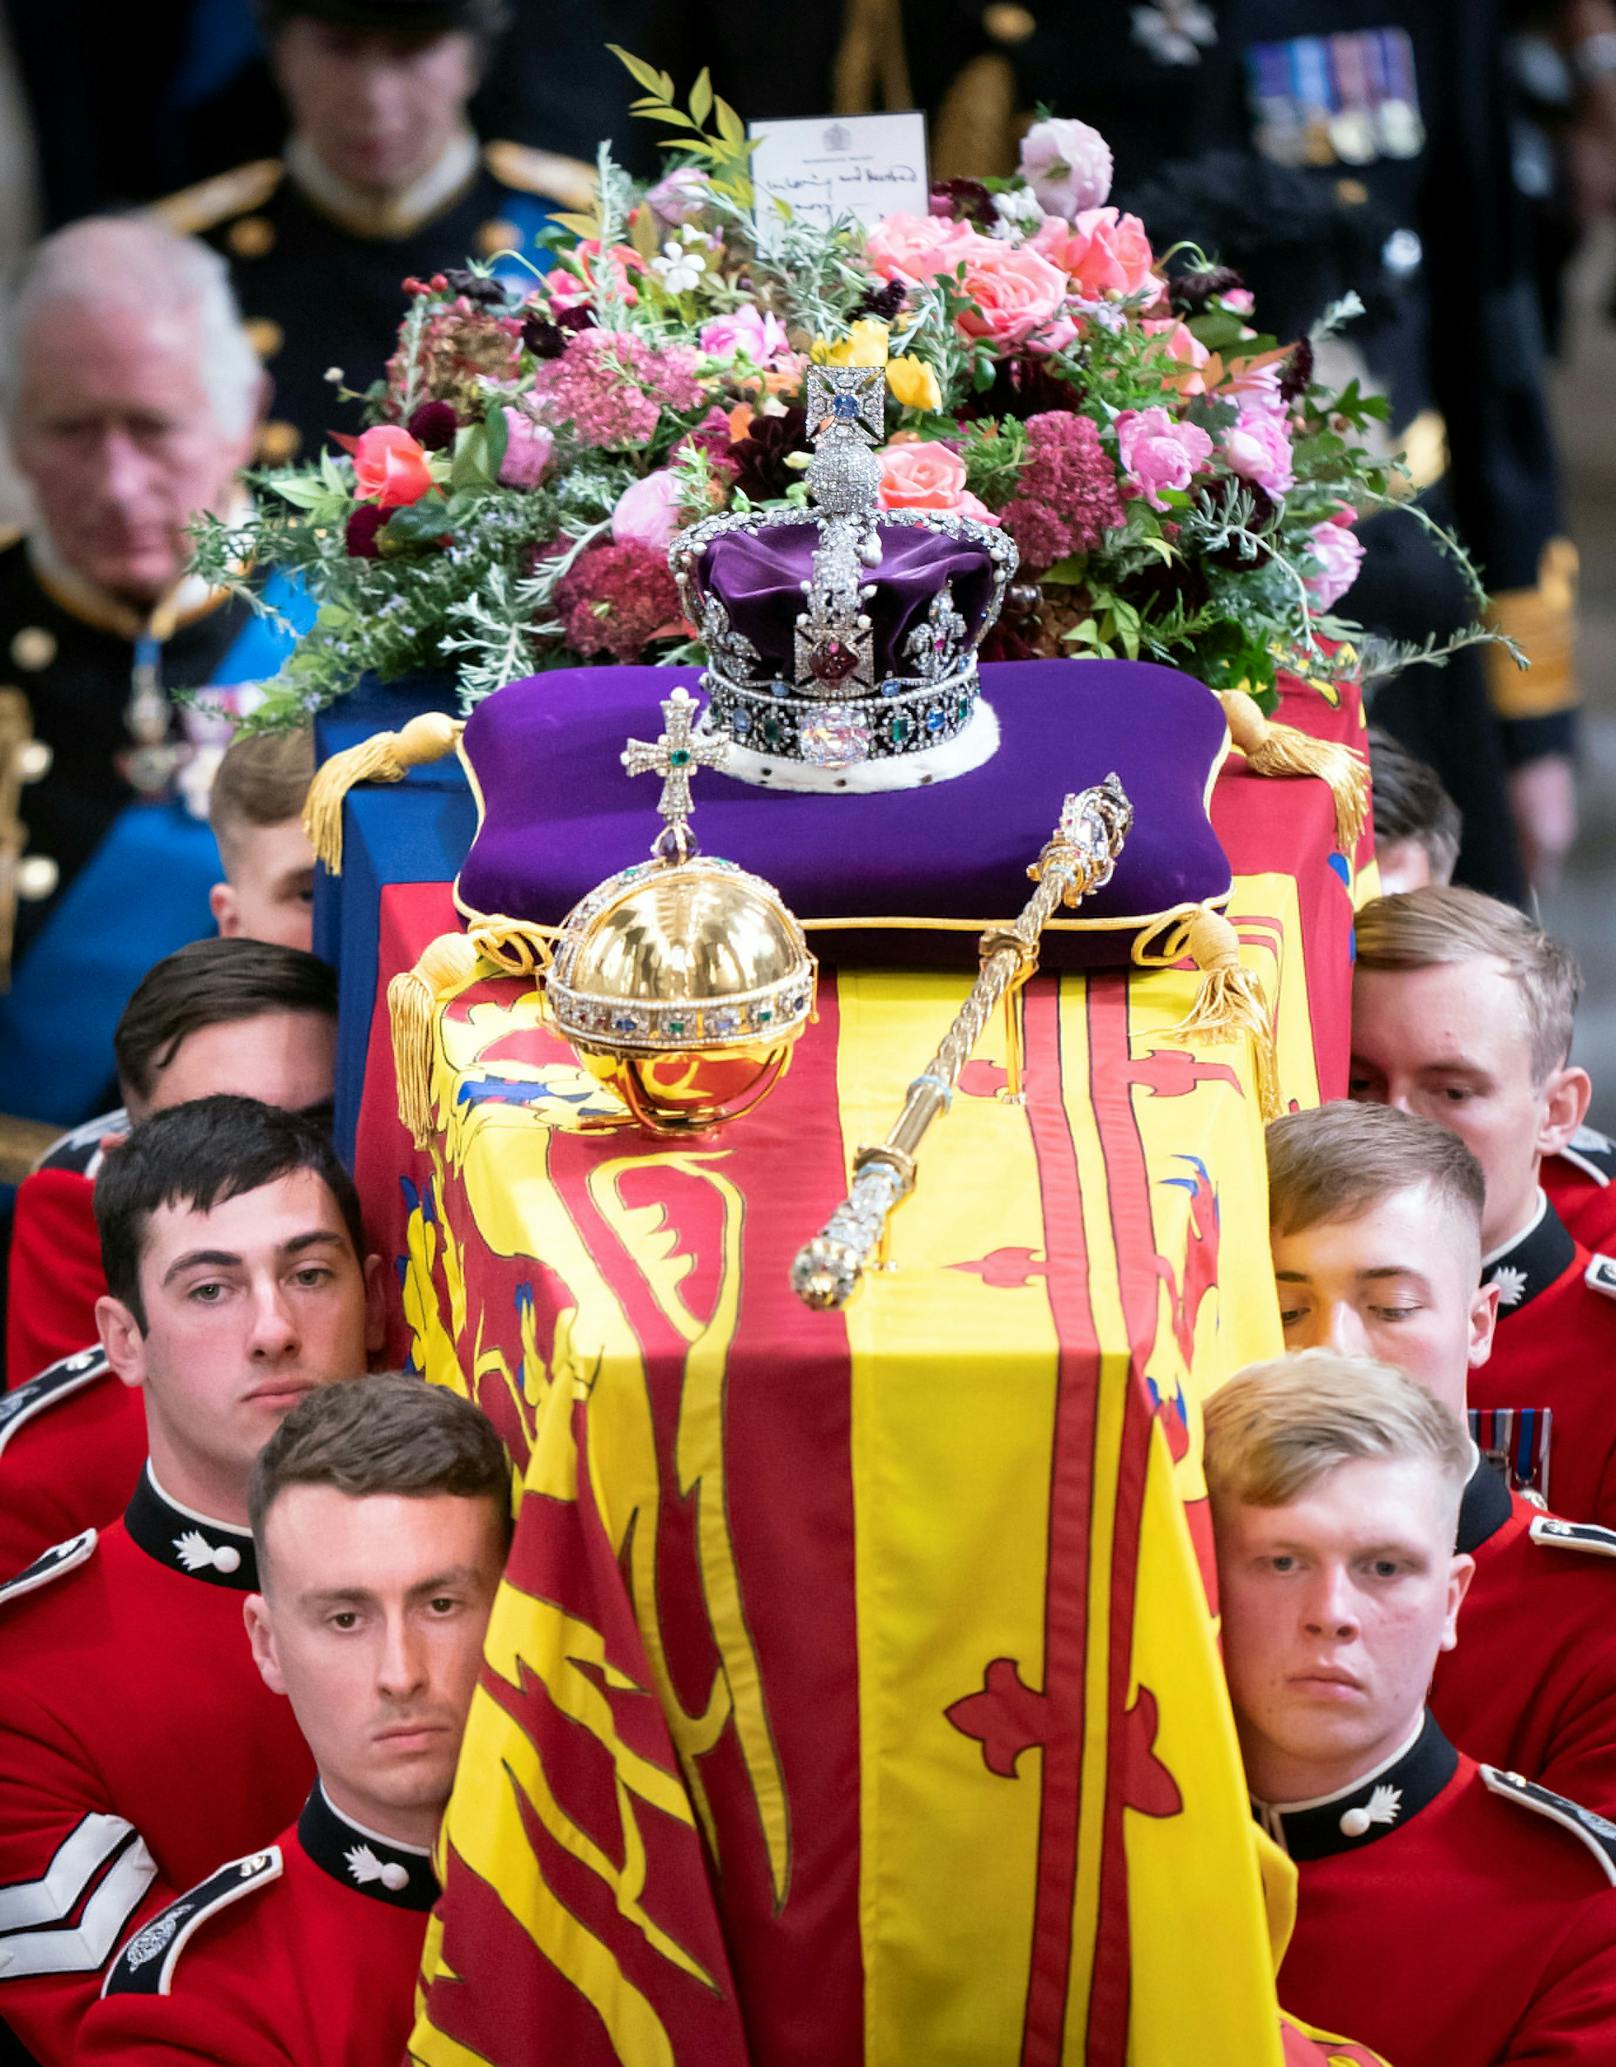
(52, 1898)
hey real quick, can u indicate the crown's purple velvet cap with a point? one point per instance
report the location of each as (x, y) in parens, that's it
(758, 577)
(560, 815)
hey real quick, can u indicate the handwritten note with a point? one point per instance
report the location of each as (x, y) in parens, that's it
(866, 166)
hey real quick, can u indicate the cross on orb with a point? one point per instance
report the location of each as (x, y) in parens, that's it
(676, 755)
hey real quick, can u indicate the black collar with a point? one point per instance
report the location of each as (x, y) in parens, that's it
(1530, 1265)
(377, 1866)
(1484, 1507)
(1370, 1808)
(214, 1552)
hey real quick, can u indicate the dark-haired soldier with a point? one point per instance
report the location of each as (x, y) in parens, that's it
(382, 178)
(137, 1741)
(381, 1518)
(1416, 821)
(241, 1016)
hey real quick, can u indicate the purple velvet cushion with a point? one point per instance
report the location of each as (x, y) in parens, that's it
(913, 876)
(758, 577)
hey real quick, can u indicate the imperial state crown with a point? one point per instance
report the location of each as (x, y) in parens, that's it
(841, 641)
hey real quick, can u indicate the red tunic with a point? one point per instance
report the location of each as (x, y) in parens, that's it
(72, 1441)
(1555, 1348)
(137, 1743)
(305, 1955)
(1531, 1685)
(55, 1275)
(1581, 1184)
(1471, 1922)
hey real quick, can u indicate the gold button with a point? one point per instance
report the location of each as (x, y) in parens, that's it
(278, 441)
(1351, 193)
(34, 648)
(1007, 23)
(265, 336)
(251, 237)
(497, 235)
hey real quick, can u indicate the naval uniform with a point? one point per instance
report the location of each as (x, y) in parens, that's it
(1531, 1684)
(305, 1954)
(1581, 1184)
(54, 1274)
(320, 274)
(1544, 1404)
(1451, 1915)
(137, 1743)
(136, 862)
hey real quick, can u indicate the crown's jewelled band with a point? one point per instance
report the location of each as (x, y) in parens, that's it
(902, 717)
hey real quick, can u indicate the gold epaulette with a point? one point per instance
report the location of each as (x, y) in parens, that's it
(567, 180)
(1542, 622)
(212, 201)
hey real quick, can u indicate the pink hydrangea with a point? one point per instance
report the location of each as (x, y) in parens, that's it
(1067, 164)
(1100, 250)
(1339, 552)
(1258, 449)
(612, 386)
(748, 329)
(616, 599)
(1067, 495)
(1158, 452)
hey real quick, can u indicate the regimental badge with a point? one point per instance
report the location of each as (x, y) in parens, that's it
(1347, 99)
(1383, 1806)
(197, 1554)
(147, 1944)
(1511, 1284)
(365, 1867)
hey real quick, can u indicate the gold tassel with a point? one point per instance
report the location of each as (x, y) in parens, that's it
(384, 757)
(1230, 1002)
(448, 963)
(1272, 749)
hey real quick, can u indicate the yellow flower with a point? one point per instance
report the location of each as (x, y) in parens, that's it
(913, 383)
(864, 345)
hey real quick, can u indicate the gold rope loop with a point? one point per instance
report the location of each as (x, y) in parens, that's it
(1274, 749)
(384, 757)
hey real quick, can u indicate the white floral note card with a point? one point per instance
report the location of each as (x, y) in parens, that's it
(866, 166)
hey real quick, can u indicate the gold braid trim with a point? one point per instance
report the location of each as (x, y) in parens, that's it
(384, 757)
(1272, 749)
(447, 965)
(1230, 1002)
(1543, 623)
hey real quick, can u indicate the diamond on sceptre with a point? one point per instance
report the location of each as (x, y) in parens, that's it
(675, 756)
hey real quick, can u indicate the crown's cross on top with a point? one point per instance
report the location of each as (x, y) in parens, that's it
(675, 756)
(847, 397)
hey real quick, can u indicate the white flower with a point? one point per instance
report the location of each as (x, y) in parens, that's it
(679, 269)
(1018, 212)
(1511, 1283)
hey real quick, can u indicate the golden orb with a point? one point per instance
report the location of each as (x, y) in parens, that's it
(682, 984)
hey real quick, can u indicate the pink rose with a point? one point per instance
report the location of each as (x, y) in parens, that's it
(1101, 251)
(1016, 292)
(1181, 344)
(566, 290)
(1258, 448)
(921, 475)
(647, 511)
(1067, 164)
(915, 247)
(1158, 452)
(528, 446)
(746, 329)
(1258, 387)
(1239, 299)
(390, 467)
(1339, 553)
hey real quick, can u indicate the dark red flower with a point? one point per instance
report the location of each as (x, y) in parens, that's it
(964, 200)
(1297, 374)
(433, 425)
(1190, 292)
(759, 458)
(479, 289)
(361, 536)
(883, 303)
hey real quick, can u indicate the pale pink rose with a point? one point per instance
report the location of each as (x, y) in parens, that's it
(1054, 336)
(921, 475)
(528, 446)
(1258, 448)
(746, 329)
(916, 247)
(1067, 164)
(1157, 452)
(565, 290)
(680, 197)
(1015, 292)
(647, 511)
(1257, 387)
(1183, 345)
(1339, 553)
(1101, 251)
(1239, 299)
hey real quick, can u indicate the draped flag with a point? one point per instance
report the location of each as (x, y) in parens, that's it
(853, 1693)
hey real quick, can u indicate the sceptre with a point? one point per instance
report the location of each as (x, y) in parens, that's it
(1079, 857)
